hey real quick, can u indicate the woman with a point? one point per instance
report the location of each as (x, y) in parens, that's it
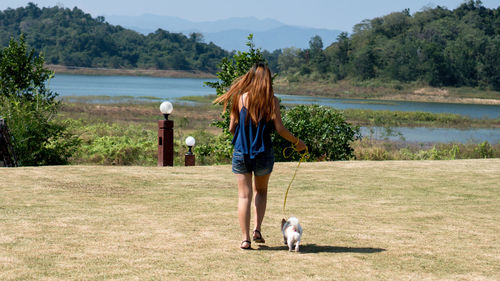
(255, 113)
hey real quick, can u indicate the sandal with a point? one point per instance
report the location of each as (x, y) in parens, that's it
(258, 238)
(249, 247)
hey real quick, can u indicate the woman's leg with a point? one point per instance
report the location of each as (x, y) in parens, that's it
(260, 188)
(244, 203)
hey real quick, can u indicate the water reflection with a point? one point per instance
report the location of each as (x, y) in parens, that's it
(471, 110)
(441, 135)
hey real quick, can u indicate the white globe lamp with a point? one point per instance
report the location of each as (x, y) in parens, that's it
(190, 142)
(166, 108)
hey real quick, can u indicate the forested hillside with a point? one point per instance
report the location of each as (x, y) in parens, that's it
(73, 38)
(436, 46)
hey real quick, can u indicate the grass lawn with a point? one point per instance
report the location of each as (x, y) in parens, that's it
(392, 220)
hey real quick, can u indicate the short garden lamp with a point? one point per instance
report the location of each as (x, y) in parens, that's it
(190, 159)
(166, 136)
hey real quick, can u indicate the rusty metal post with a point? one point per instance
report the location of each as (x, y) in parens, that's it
(189, 158)
(165, 143)
(7, 154)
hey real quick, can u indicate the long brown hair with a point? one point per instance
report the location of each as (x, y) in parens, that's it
(257, 82)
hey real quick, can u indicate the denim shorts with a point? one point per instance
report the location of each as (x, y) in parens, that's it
(260, 166)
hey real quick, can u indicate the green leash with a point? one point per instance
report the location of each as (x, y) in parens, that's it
(303, 156)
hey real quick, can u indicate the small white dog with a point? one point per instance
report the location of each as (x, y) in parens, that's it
(292, 232)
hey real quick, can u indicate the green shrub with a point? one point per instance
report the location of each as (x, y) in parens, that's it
(367, 149)
(323, 129)
(212, 149)
(29, 109)
(484, 150)
(38, 139)
(115, 144)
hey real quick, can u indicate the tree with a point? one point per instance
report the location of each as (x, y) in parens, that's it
(489, 70)
(23, 75)
(344, 48)
(272, 59)
(339, 54)
(289, 60)
(318, 60)
(365, 62)
(29, 108)
(231, 69)
(196, 37)
(315, 44)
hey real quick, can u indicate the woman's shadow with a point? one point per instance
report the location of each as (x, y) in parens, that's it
(313, 248)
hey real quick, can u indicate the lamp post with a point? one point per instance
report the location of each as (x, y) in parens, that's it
(166, 137)
(189, 158)
(7, 155)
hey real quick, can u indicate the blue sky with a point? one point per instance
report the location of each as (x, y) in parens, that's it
(329, 14)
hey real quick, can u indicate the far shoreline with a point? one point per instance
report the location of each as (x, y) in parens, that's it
(76, 70)
(415, 93)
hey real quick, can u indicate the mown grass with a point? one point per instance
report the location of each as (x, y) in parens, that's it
(395, 220)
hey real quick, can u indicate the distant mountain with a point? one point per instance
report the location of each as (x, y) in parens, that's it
(149, 23)
(231, 33)
(272, 39)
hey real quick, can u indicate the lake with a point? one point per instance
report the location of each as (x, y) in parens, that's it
(172, 88)
(143, 87)
(133, 86)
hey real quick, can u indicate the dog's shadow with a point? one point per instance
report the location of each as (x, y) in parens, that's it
(313, 249)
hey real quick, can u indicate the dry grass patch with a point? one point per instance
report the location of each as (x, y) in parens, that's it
(362, 221)
(144, 113)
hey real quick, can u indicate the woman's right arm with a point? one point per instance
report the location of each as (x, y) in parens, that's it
(232, 125)
(283, 132)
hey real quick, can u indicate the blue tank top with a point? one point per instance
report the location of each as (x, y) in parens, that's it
(250, 139)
